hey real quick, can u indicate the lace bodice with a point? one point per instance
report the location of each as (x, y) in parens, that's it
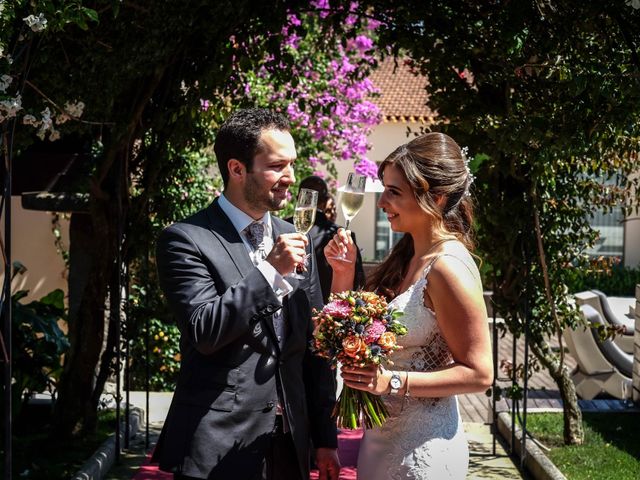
(424, 348)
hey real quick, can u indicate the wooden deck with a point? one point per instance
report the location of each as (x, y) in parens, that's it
(543, 394)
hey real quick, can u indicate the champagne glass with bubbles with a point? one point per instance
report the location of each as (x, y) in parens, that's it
(351, 201)
(304, 216)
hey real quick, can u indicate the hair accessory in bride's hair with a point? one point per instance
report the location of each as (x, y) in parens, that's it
(470, 176)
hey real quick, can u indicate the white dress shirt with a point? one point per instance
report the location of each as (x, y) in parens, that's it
(240, 221)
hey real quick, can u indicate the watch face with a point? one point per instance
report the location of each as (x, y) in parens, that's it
(395, 382)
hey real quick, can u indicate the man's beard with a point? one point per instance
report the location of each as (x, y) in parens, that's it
(255, 195)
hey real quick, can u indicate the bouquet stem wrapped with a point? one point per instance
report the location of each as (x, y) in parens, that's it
(355, 407)
(357, 328)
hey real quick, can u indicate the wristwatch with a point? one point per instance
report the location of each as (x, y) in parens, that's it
(395, 383)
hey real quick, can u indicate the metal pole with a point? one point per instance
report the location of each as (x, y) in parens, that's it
(6, 311)
(525, 393)
(494, 420)
(127, 370)
(147, 340)
(527, 318)
(117, 302)
(115, 311)
(514, 401)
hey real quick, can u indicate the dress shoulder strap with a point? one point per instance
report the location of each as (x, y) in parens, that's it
(474, 271)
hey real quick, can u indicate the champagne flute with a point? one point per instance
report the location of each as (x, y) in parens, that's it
(351, 201)
(304, 217)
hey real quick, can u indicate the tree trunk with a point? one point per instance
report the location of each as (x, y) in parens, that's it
(107, 364)
(89, 271)
(572, 415)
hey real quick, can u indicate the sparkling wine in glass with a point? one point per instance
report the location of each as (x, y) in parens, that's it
(351, 200)
(304, 216)
(353, 196)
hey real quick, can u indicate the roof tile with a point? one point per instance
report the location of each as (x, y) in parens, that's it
(403, 94)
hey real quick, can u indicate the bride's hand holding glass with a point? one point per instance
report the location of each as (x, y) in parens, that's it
(341, 252)
(351, 200)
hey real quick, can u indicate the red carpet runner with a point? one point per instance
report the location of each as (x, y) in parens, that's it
(348, 444)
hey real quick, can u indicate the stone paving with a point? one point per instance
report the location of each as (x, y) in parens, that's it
(483, 463)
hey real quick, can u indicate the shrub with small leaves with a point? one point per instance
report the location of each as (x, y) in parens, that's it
(164, 356)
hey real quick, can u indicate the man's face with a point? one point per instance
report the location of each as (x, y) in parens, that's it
(271, 176)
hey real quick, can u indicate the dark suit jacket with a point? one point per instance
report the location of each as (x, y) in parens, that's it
(321, 233)
(224, 404)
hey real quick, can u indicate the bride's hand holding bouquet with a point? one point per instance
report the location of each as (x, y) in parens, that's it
(372, 378)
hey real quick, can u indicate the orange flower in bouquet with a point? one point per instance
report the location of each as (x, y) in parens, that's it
(357, 328)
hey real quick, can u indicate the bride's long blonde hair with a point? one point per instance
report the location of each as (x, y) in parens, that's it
(434, 166)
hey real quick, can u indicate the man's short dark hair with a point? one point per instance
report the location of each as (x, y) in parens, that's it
(239, 136)
(314, 182)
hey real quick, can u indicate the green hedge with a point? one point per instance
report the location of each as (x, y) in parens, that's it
(606, 274)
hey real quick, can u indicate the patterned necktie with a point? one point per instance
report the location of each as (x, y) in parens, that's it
(255, 236)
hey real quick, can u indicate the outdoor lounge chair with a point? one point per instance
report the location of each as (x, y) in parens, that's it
(602, 367)
(599, 301)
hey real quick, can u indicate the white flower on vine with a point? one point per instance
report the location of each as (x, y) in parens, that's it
(62, 118)
(5, 81)
(36, 23)
(635, 4)
(30, 120)
(10, 107)
(74, 109)
(54, 135)
(46, 123)
(46, 118)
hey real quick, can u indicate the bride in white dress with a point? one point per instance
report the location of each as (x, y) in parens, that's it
(431, 277)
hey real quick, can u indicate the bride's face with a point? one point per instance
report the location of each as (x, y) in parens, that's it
(399, 203)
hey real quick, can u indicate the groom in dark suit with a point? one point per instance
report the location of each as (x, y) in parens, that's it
(250, 395)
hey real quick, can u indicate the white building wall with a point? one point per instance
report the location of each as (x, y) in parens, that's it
(32, 244)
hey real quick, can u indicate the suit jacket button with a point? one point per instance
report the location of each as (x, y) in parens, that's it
(270, 405)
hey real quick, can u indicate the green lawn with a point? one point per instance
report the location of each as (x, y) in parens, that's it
(36, 456)
(611, 449)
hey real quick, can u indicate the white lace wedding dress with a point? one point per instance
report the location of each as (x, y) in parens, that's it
(424, 438)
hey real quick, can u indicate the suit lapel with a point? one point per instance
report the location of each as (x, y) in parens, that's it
(230, 239)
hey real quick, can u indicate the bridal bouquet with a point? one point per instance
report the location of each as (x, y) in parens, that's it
(357, 328)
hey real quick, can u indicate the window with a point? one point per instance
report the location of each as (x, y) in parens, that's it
(611, 228)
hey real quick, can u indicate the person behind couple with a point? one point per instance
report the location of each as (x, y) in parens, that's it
(321, 234)
(250, 395)
(431, 277)
(330, 209)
